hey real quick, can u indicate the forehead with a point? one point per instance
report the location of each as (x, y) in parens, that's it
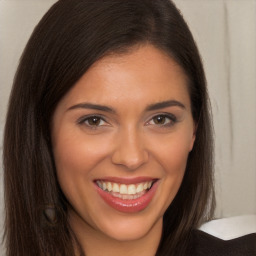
(141, 76)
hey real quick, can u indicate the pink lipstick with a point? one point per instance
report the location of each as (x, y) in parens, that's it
(128, 195)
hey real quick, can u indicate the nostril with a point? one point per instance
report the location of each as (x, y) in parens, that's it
(130, 160)
(129, 149)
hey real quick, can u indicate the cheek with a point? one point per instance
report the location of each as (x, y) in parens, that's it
(76, 156)
(174, 161)
(77, 152)
(172, 152)
(176, 157)
(172, 155)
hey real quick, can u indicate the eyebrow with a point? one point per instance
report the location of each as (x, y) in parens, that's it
(165, 104)
(151, 107)
(93, 106)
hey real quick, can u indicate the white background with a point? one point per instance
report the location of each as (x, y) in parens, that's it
(225, 31)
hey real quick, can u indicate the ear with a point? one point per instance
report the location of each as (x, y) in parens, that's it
(193, 137)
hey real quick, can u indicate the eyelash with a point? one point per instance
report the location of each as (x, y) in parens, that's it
(85, 121)
(171, 122)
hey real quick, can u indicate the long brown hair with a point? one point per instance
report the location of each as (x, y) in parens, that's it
(71, 36)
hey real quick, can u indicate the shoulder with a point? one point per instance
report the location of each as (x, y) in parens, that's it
(225, 237)
(206, 244)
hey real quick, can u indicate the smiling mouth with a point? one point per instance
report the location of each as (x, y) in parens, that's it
(127, 195)
(125, 191)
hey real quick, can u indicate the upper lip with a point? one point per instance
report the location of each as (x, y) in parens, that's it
(126, 180)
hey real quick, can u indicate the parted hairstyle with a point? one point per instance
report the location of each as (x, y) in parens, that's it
(72, 36)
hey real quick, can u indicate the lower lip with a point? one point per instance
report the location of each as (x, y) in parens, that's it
(128, 206)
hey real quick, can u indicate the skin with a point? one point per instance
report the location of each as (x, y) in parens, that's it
(128, 143)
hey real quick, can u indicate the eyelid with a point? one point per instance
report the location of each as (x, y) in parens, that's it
(83, 119)
(172, 117)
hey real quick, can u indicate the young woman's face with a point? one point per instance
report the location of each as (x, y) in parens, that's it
(121, 137)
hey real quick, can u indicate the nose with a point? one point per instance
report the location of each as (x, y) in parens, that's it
(130, 150)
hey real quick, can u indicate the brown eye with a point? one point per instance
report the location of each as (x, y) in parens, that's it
(93, 121)
(163, 120)
(159, 120)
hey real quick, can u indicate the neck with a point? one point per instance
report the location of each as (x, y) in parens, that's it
(95, 243)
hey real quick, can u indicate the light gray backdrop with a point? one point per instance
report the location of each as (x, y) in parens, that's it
(225, 31)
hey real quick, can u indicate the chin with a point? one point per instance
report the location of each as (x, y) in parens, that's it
(129, 228)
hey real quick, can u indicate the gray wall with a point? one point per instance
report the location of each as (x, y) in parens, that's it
(225, 31)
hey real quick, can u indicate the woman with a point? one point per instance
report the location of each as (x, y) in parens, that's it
(108, 141)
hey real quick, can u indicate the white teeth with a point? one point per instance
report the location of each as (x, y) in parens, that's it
(123, 189)
(129, 197)
(131, 190)
(109, 186)
(115, 187)
(139, 188)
